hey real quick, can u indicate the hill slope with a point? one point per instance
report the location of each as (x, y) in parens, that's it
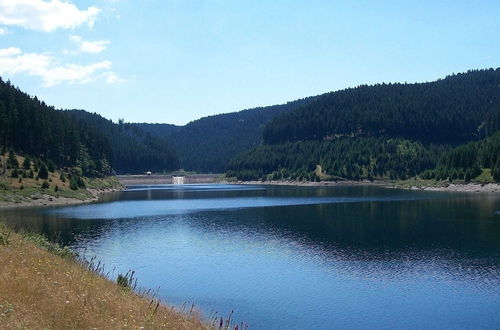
(207, 144)
(77, 138)
(383, 131)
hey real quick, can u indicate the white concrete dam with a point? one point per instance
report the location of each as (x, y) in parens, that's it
(177, 180)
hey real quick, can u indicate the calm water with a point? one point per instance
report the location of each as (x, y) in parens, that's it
(299, 257)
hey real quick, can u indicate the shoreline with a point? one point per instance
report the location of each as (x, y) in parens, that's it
(43, 200)
(44, 285)
(447, 187)
(47, 200)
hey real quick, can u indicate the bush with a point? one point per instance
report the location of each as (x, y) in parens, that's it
(73, 184)
(468, 176)
(80, 182)
(12, 161)
(50, 166)
(45, 185)
(43, 173)
(62, 177)
(496, 170)
(122, 281)
(56, 188)
(27, 163)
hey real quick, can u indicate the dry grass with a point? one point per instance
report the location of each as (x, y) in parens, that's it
(41, 290)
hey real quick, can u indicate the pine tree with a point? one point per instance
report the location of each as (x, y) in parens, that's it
(27, 163)
(43, 173)
(496, 170)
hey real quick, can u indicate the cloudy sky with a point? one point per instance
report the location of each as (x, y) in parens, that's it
(173, 61)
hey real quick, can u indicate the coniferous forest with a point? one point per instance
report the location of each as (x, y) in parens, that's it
(442, 130)
(77, 138)
(439, 130)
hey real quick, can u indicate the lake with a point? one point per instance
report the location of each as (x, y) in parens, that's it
(285, 257)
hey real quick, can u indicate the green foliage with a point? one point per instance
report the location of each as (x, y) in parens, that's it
(42, 242)
(496, 170)
(343, 158)
(467, 161)
(12, 160)
(43, 173)
(31, 127)
(132, 150)
(56, 188)
(50, 166)
(122, 281)
(4, 234)
(45, 185)
(27, 163)
(127, 281)
(393, 131)
(447, 111)
(62, 177)
(73, 183)
(208, 144)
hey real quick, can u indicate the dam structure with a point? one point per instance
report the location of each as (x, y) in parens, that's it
(169, 179)
(178, 179)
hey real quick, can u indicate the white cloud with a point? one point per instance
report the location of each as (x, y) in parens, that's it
(95, 47)
(45, 15)
(14, 61)
(113, 78)
(3, 31)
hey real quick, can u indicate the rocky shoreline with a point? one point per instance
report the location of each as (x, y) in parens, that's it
(48, 200)
(451, 187)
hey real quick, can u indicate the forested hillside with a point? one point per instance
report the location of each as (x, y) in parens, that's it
(207, 144)
(385, 131)
(76, 138)
(447, 111)
(133, 149)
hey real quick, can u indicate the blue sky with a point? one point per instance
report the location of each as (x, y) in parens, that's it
(175, 61)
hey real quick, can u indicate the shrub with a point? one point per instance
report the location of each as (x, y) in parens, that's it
(27, 163)
(50, 166)
(45, 185)
(43, 173)
(12, 160)
(56, 188)
(73, 184)
(62, 177)
(4, 235)
(80, 182)
(122, 281)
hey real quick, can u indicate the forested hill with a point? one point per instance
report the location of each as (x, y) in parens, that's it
(76, 138)
(447, 111)
(385, 131)
(207, 144)
(133, 149)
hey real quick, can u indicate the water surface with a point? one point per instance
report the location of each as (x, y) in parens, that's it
(299, 257)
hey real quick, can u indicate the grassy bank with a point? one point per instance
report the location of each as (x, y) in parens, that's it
(26, 187)
(43, 287)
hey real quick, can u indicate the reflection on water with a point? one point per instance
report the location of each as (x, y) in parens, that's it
(299, 257)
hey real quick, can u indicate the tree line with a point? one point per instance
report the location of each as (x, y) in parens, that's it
(76, 138)
(444, 130)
